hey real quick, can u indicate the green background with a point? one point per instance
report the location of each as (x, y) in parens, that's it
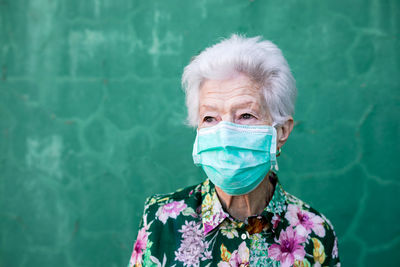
(92, 119)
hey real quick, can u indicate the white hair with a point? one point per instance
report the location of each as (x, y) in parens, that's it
(262, 61)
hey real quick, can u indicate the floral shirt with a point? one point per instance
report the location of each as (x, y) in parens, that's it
(190, 228)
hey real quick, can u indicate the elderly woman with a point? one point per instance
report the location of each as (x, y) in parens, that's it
(240, 95)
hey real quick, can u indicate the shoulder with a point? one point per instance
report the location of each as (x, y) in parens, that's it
(163, 216)
(162, 207)
(303, 211)
(315, 227)
(182, 194)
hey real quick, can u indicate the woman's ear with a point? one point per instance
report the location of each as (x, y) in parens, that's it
(283, 132)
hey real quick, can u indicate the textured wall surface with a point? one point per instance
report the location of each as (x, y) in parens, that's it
(91, 119)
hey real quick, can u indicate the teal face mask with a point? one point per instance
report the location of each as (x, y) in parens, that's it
(236, 157)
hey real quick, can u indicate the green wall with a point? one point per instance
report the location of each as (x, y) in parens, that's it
(91, 118)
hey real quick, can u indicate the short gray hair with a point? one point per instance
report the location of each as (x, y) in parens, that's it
(262, 61)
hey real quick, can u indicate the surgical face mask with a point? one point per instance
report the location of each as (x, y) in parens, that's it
(236, 157)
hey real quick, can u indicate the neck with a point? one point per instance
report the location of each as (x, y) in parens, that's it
(253, 203)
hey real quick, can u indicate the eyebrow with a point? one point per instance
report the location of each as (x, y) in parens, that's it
(246, 104)
(235, 106)
(208, 107)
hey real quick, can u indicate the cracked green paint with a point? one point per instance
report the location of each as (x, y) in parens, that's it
(91, 119)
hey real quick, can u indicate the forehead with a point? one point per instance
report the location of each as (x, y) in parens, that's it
(235, 89)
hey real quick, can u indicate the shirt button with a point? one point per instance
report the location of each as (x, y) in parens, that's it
(243, 236)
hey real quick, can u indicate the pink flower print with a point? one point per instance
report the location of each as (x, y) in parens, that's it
(170, 210)
(275, 220)
(288, 249)
(240, 257)
(139, 247)
(208, 228)
(305, 221)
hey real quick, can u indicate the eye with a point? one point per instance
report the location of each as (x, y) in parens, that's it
(246, 116)
(208, 119)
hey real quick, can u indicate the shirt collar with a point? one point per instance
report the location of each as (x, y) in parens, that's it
(213, 214)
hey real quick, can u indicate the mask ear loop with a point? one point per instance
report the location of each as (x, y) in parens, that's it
(274, 164)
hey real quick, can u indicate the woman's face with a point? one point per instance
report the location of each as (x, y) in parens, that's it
(236, 99)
